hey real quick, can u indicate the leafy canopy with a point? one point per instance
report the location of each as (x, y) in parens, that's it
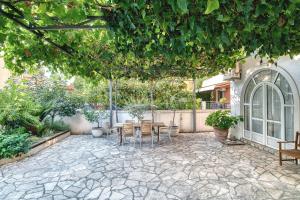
(149, 39)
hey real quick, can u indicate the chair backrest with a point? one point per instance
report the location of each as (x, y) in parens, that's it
(146, 121)
(297, 140)
(129, 121)
(128, 129)
(146, 128)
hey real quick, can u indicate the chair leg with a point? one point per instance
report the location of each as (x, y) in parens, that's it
(280, 158)
(170, 136)
(296, 161)
(141, 139)
(152, 135)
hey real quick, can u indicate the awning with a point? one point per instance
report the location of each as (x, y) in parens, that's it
(207, 88)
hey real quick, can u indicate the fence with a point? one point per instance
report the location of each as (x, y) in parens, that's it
(212, 105)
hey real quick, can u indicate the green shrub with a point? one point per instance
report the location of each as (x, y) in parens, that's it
(222, 120)
(59, 126)
(13, 144)
(18, 109)
(50, 128)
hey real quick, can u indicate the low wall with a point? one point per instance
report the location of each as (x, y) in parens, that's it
(183, 118)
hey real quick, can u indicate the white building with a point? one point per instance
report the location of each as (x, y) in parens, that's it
(267, 96)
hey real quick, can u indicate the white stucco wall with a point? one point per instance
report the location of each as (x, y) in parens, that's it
(183, 118)
(285, 65)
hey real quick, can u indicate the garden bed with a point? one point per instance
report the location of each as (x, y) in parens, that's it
(38, 146)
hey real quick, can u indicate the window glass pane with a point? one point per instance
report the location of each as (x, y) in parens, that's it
(249, 90)
(257, 103)
(273, 130)
(257, 126)
(286, 90)
(265, 76)
(273, 104)
(247, 118)
(289, 123)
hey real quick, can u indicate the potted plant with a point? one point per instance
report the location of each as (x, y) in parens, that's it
(175, 102)
(96, 116)
(221, 121)
(137, 111)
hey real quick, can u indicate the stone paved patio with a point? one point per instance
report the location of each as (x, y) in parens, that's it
(194, 166)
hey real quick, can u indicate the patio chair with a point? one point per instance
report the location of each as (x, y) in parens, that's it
(146, 130)
(167, 129)
(127, 130)
(294, 153)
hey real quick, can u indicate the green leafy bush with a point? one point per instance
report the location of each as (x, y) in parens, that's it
(13, 144)
(18, 109)
(91, 115)
(49, 127)
(222, 120)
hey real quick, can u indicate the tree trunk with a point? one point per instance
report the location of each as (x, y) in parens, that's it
(194, 106)
(116, 97)
(110, 104)
(151, 96)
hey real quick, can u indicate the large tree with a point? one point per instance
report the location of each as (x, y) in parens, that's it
(142, 38)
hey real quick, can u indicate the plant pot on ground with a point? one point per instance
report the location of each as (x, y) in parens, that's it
(174, 131)
(99, 117)
(97, 131)
(221, 121)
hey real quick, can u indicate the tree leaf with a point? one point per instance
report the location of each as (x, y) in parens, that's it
(211, 6)
(182, 5)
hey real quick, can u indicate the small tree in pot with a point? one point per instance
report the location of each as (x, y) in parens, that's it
(138, 111)
(221, 121)
(96, 116)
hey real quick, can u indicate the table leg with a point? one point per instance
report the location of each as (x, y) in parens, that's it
(158, 134)
(121, 136)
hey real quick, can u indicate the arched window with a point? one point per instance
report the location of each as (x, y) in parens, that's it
(268, 108)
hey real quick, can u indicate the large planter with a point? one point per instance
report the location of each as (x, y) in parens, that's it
(97, 132)
(221, 134)
(174, 131)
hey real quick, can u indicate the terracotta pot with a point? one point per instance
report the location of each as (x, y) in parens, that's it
(221, 134)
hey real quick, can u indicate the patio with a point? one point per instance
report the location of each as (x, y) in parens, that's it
(193, 166)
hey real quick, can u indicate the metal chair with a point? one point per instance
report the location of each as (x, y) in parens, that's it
(127, 130)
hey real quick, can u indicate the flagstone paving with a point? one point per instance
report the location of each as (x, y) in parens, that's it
(193, 166)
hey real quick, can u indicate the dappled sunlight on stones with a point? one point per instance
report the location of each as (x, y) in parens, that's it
(193, 166)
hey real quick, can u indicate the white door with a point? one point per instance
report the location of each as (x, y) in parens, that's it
(267, 115)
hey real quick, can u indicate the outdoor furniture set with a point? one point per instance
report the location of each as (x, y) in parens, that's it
(140, 130)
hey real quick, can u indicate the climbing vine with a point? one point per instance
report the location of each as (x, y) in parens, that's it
(146, 39)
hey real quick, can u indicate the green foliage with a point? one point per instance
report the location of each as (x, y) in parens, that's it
(211, 6)
(138, 110)
(51, 93)
(68, 105)
(91, 115)
(18, 108)
(222, 120)
(13, 144)
(150, 39)
(136, 92)
(50, 127)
